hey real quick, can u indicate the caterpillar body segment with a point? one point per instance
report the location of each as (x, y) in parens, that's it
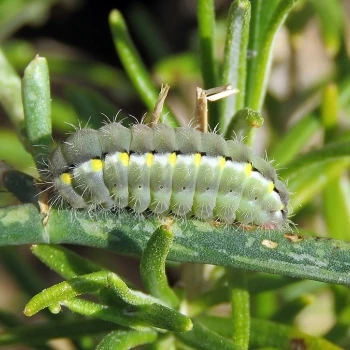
(165, 170)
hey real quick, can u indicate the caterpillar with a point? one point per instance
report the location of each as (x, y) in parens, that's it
(165, 170)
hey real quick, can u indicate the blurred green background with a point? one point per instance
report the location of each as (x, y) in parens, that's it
(307, 105)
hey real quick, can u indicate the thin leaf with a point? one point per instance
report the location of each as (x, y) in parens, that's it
(37, 109)
(235, 59)
(267, 18)
(293, 141)
(240, 308)
(133, 65)
(153, 266)
(209, 65)
(332, 151)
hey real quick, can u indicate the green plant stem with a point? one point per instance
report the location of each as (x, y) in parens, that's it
(235, 59)
(37, 109)
(194, 241)
(133, 65)
(240, 308)
(153, 266)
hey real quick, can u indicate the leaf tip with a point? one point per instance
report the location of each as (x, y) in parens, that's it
(115, 17)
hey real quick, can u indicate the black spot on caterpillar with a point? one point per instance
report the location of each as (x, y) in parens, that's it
(167, 170)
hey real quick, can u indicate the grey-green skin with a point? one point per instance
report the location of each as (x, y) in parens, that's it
(177, 171)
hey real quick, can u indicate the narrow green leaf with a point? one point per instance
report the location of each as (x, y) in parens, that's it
(12, 151)
(124, 340)
(206, 29)
(261, 44)
(235, 59)
(308, 182)
(147, 32)
(209, 65)
(336, 200)
(336, 206)
(293, 141)
(37, 109)
(137, 305)
(153, 266)
(331, 16)
(63, 261)
(137, 317)
(15, 14)
(240, 308)
(133, 65)
(66, 290)
(329, 107)
(331, 151)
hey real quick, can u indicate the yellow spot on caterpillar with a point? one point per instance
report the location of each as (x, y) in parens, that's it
(124, 159)
(271, 187)
(96, 164)
(197, 159)
(66, 178)
(222, 162)
(172, 159)
(149, 159)
(248, 169)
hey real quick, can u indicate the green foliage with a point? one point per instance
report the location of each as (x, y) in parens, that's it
(258, 275)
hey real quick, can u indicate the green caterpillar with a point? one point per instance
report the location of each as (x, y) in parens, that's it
(179, 171)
